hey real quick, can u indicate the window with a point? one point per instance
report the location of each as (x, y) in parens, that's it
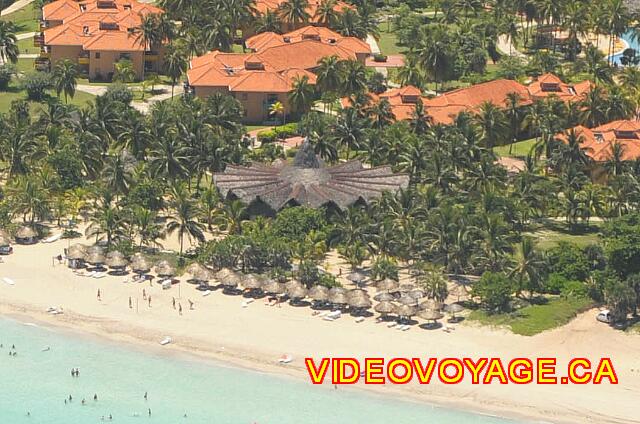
(272, 98)
(97, 55)
(126, 56)
(244, 96)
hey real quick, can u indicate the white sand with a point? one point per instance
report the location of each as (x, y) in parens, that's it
(257, 335)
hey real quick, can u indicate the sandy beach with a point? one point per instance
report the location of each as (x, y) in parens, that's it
(254, 337)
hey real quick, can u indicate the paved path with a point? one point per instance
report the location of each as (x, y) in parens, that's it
(375, 49)
(15, 6)
(25, 35)
(505, 45)
(142, 106)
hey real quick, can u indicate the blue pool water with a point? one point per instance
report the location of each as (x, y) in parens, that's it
(38, 382)
(632, 42)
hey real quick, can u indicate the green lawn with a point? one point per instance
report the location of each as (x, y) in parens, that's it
(388, 41)
(25, 65)
(26, 46)
(25, 19)
(520, 149)
(535, 319)
(552, 232)
(15, 93)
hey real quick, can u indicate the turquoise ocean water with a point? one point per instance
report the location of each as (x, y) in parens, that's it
(38, 382)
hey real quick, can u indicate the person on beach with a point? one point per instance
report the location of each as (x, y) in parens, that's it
(173, 302)
(149, 411)
(83, 402)
(144, 294)
(99, 295)
(190, 304)
(180, 308)
(70, 398)
(149, 300)
(130, 304)
(145, 397)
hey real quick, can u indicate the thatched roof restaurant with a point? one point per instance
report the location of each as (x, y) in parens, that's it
(308, 181)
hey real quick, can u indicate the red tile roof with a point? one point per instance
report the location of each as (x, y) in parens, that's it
(262, 6)
(550, 85)
(263, 41)
(597, 142)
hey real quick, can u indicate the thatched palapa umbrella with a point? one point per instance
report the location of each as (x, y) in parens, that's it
(4, 239)
(453, 309)
(360, 302)
(431, 304)
(116, 260)
(407, 300)
(26, 235)
(338, 298)
(96, 259)
(319, 293)
(165, 270)
(291, 284)
(356, 277)
(297, 292)
(228, 277)
(251, 282)
(95, 249)
(335, 290)
(405, 310)
(416, 294)
(385, 307)
(140, 264)
(384, 297)
(430, 315)
(387, 285)
(355, 293)
(77, 252)
(274, 287)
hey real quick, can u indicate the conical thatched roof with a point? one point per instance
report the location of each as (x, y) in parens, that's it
(385, 307)
(384, 297)
(25, 232)
(339, 298)
(297, 292)
(199, 272)
(228, 277)
(319, 293)
(360, 302)
(77, 251)
(95, 249)
(454, 308)
(405, 310)
(431, 304)
(251, 281)
(140, 264)
(387, 284)
(416, 294)
(355, 293)
(116, 259)
(96, 258)
(356, 277)
(165, 269)
(430, 314)
(308, 181)
(407, 300)
(274, 287)
(5, 240)
(335, 290)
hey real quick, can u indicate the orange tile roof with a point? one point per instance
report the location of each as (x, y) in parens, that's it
(269, 69)
(263, 41)
(551, 85)
(85, 27)
(262, 6)
(597, 142)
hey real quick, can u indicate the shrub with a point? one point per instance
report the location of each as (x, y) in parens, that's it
(570, 261)
(379, 57)
(384, 267)
(267, 136)
(7, 71)
(573, 289)
(495, 291)
(120, 93)
(554, 284)
(37, 84)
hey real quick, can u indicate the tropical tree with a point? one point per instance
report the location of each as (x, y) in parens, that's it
(8, 42)
(528, 268)
(301, 94)
(294, 12)
(183, 218)
(65, 75)
(175, 64)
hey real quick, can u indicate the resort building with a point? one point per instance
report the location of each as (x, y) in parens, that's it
(96, 35)
(598, 143)
(443, 109)
(261, 78)
(273, 6)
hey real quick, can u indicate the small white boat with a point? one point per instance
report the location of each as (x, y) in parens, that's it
(165, 341)
(9, 281)
(285, 359)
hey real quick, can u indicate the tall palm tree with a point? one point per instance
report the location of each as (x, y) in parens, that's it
(65, 75)
(184, 217)
(229, 218)
(354, 77)
(175, 64)
(325, 13)
(301, 94)
(209, 202)
(269, 22)
(148, 35)
(493, 125)
(329, 75)
(433, 52)
(528, 267)
(9, 50)
(294, 12)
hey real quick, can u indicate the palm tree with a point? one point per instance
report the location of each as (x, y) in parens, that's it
(529, 267)
(184, 218)
(209, 202)
(8, 42)
(268, 22)
(229, 218)
(329, 75)
(277, 108)
(301, 94)
(433, 52)
(65, 75)
(175, 64)
(349, 130)
(147, 228)
(168, 158)
(513, 113)
(434, 284)
(615, 164)
(294, 12)
(106, 221)
(354, 77)
(325, 13)
(493, 125)
(148, 35)
(124, 71)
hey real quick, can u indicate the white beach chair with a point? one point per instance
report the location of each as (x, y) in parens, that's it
(9, 281)
(359, 319)
(335, 314)
(206, 293)
(406, 328)
(323, 314)
(99, 275)
(165, 341)
(328, 318)
(391, 324)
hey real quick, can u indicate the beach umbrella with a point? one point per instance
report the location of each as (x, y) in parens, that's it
(274, 287)
(319, 293)
(407, 300)
(430, 315)
(116, 260)
(431, 304)
(360, 302)
(335, 290)
(355, 293)
(251, 281)
(228, 278)
(165, 269)
(385, 307)
(4, 239)
(384, 297)
(26, 234)
(77, 252)
(297, 292)
(405, 310)
(416, 294)
(95, 249)
(338, 298)
(291, 284)
(140, 264)
(202, 274)
(387, 284)
(96, 259)
(356, 277)
(454, 308)
(194, 268)
(405, 288)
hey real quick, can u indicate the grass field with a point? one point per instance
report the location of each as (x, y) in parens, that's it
(388, 42)
(16, 93)
(26, 46)
(535, 319)
(25, 19)
(552, 232)
(520, 149)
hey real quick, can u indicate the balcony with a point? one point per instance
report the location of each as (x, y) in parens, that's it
(83, 58)
(42, 64)
(38, 40)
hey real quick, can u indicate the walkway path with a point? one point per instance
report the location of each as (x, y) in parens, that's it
(15, 6)
(505, 45)
(25, 35)
(375, 49)
(142, 106)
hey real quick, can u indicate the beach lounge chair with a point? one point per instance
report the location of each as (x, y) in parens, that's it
(99, 275)
(359, 319)
(391, 324)
(406, 328)
(9, 281)
(334, 314)
(206, 293)
(323, 314)
(165, 341)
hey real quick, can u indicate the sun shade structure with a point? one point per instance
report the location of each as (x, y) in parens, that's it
(251, 281)
(26, 235)
(430, 315)
(319, 293)
(77, 252)
(385, 307)
(387, 285)
(384, 297)
(165, 269)
(307, 181)
(140, 264)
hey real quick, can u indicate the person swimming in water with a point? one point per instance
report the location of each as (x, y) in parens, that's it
(95, 397)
